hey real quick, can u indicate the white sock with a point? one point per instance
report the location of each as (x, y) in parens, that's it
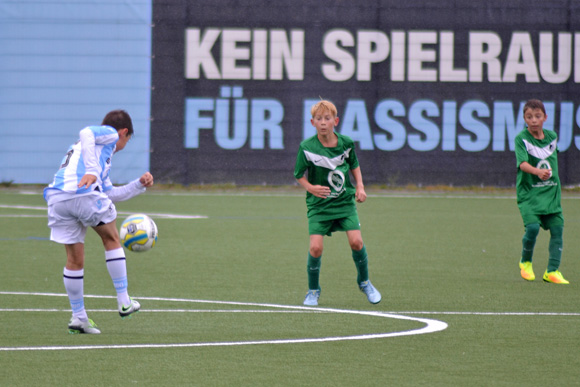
(74, 284)
(117, 266)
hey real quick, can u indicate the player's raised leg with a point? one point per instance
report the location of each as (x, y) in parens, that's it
(117, 267)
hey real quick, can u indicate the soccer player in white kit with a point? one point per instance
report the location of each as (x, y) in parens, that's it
(82, 196)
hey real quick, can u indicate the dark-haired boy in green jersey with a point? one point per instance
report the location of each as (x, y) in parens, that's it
(328, 157)
(538, 191)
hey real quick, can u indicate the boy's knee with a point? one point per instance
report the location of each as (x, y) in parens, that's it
(356, 245)
(315, 251)
(532, 230)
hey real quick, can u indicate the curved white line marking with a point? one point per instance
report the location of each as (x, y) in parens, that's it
(431, 326)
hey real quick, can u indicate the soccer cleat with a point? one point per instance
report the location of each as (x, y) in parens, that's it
(311, 298)
(128, 310)
(555, 277)
(373, 294)
(526, 271)
(76, 326)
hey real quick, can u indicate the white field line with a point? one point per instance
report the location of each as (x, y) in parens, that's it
(163, 310)
(277, 306)
(40, 208)
(449, 313)
(494, 313)
(431, 326)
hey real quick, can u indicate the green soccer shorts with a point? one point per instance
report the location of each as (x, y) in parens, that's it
(545, 221)
(327, 227)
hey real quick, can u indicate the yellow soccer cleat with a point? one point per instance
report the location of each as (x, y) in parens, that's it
(526, 271)
(555, 277)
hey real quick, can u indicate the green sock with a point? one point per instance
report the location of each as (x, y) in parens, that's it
(313, 269)
(555, 247)
(361, 262)
(529, 241)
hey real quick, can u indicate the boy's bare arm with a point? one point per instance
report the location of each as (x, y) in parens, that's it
(360, 194)
(319, 191)
(543, 174)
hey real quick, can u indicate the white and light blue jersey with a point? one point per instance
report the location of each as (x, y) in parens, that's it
(91, 154)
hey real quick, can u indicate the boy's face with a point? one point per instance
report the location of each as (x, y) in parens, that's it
(535, 119)
(124, 138)
(324, 122)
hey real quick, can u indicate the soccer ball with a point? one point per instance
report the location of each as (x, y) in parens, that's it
(138, 233)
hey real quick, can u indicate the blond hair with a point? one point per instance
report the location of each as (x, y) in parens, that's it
(324, 106)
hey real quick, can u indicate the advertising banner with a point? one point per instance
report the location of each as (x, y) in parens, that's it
(432, 92)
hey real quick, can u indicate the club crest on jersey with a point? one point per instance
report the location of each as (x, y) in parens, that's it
(336, 180)
(544, 164)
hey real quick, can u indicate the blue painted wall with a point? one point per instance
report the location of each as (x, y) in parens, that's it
(63, 65)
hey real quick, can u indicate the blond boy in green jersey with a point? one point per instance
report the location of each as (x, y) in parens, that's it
(538, 191)
(328, 157)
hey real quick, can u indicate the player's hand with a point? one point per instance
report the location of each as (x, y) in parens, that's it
(360, 195)
(87, 180)
(146, 180)
(545, 174)
(320, 191)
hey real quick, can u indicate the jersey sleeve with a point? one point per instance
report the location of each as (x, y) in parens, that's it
(521, 151)
(301, 164)
(91, 136)
(105, 135)
(352, 158)
(87, 137)
(125, 192)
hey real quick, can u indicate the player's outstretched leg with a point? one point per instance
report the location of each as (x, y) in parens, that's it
(117, 267)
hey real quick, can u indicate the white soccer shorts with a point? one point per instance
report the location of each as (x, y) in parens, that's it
(69, 219)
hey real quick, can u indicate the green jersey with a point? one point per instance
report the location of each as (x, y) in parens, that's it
(329, 167)
(536, 196)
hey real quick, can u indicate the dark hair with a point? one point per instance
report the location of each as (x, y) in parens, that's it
(118, 119)
(534, 104)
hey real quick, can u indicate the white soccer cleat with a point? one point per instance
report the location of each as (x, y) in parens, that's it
(372, 293)
(76, 326)
(311, 298)
(128, 310)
